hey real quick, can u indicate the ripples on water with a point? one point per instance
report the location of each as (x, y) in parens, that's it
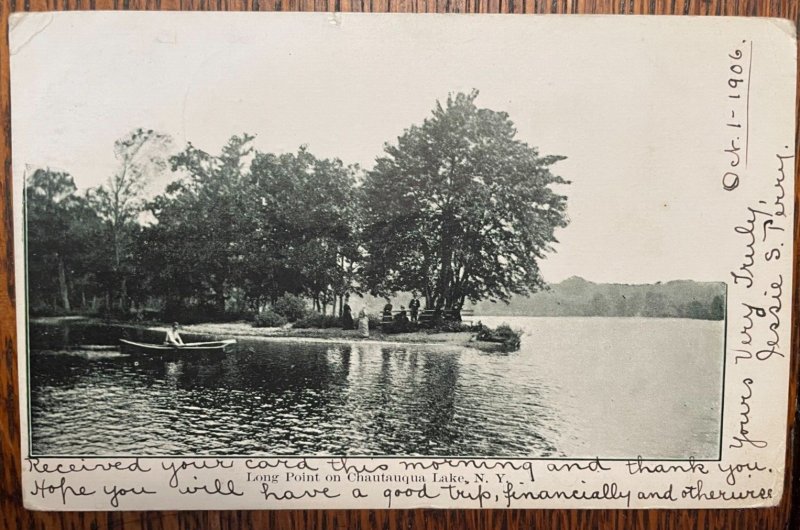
(578, 388)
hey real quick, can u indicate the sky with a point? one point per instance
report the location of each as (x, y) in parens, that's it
(639, 116)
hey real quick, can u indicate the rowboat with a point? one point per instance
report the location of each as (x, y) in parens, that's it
(190, 348)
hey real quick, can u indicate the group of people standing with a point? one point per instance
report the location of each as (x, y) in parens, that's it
(362, 324)
(402, 315)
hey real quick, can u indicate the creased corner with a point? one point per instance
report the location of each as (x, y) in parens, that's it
(24, 27)
(786, 26)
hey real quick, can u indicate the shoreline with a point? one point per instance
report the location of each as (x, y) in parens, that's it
(244, 330)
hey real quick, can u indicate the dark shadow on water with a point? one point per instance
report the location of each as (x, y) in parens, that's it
(268, 397)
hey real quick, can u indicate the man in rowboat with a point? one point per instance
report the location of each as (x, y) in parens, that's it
(173, 337)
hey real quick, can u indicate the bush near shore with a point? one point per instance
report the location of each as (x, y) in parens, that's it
(503, 334)
(291, 307)
(319, 321)
(269, 319)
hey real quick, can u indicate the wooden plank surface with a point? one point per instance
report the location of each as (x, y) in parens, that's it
(13, 516)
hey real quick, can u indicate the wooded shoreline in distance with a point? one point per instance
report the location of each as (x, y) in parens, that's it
(578, 297)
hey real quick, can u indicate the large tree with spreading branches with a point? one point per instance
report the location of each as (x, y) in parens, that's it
(460, 208)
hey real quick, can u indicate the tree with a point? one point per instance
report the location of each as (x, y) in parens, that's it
(195, 244)
(717, 310)
(655, 304)
(598, 306)
(307, 222)
(118, 202)
(460, 209)
(228, 231)
(61, 240)
(697, 310)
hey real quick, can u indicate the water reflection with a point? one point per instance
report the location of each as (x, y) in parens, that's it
(290, 397)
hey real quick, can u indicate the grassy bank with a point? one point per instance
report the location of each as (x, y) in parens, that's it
(245, 330)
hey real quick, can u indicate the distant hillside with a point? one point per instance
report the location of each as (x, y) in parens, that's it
(578, 297)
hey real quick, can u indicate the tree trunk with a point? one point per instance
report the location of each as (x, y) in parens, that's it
(62, 284)
(219, 296)
(219, 302)
(123, 295)
(446, 262)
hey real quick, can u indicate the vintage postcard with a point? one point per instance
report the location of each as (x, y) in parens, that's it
(385, 261)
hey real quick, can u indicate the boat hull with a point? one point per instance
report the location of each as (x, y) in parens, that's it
(190, 349)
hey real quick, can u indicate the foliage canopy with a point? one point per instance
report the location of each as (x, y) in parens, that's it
(460, 209)
(457, 209)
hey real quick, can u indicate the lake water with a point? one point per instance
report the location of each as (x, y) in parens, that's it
(579, 387)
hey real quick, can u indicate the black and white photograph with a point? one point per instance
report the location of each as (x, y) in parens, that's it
(375, 237)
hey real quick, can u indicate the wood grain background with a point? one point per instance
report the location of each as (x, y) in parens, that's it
(13, 516)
